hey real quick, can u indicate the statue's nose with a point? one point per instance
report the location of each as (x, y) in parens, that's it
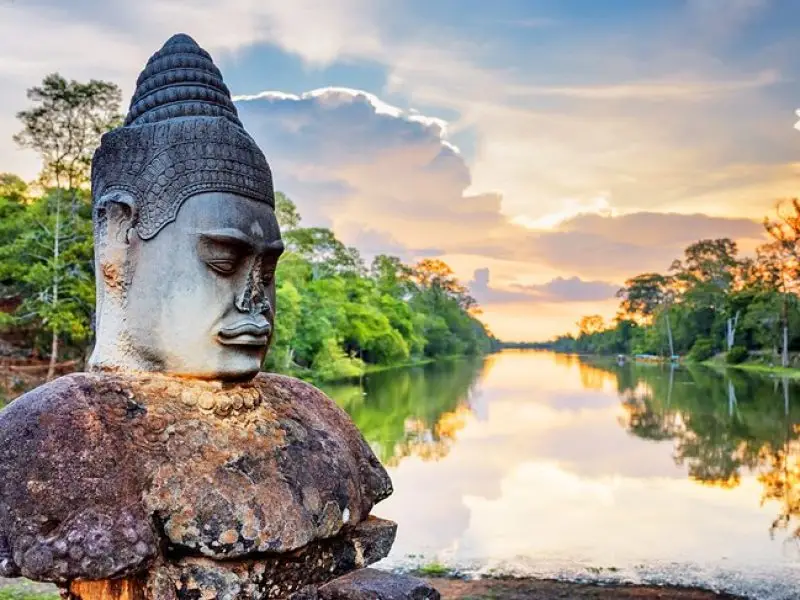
(253, 297)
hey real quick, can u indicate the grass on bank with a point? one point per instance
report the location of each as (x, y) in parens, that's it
(433, 569)
(19, 592)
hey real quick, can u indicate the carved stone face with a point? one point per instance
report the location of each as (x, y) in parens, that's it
(201, 297)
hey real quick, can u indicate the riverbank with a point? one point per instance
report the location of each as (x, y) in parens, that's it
(464, 589)
(370, 369)
(549, 589)
(753, 366)
(717, 362)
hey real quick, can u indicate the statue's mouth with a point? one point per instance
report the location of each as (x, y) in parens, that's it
(245, 334)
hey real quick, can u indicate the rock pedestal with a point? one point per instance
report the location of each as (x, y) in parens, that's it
(194, 489)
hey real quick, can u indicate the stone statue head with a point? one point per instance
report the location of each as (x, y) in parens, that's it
(186, 240)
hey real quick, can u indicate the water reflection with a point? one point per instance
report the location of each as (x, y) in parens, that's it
(722, 426)
(411, 412)
(556, 465)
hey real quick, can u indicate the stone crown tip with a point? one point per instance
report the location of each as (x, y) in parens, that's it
(181, 38)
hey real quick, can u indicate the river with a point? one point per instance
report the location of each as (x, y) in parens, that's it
(533, 463)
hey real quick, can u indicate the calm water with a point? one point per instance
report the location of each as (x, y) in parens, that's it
(534, 463)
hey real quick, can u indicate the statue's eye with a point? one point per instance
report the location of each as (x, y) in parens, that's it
(268, 270)
(225, 266)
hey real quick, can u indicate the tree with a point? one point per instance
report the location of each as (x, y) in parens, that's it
(13, 188)
(438, 278)
(646, 297)
(286, 212)
(64, 127)
(643, 296)
(326, 254)
(392, 276)
(591, 324)
(784, 265)
(49, 262)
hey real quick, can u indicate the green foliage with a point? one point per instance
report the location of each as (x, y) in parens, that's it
(736, 355)
(286, 212)
(433, 569)
(331, 363)
(335, 316)
(46, 241)
(703, 349)
(46, 262)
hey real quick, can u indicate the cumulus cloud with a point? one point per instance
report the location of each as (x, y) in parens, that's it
(112, 39)
(359, 164)
(574, 289)
(369, 163)
(663, 125)
(559, 289)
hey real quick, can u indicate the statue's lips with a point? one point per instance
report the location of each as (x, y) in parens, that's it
(244, 334)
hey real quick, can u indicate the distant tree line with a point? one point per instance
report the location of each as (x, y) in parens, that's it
(710, 301)
(335, 314)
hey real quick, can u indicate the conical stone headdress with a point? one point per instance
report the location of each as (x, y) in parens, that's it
(182, 136)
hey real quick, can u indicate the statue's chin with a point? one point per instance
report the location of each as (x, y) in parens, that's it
(239, 363)
(232, 375)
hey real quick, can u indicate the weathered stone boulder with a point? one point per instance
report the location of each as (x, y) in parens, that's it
(273, 576)
(371, 584)
(105, 476)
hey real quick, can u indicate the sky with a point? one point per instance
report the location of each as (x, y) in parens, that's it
(547, 150)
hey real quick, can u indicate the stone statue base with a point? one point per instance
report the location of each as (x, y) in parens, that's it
(208, 490)
(275, 576)
(303, 571)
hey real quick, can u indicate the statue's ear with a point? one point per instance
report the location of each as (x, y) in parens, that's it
(115, 217)
(114, 221)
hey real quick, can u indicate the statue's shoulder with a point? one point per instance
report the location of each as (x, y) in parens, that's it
(275, 381)
(44, 396)
(62, 406)
(295, 400)
(70, 483)
(276, 388)
(302, 401)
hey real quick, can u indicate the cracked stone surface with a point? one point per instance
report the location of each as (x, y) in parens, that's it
(103, 475)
